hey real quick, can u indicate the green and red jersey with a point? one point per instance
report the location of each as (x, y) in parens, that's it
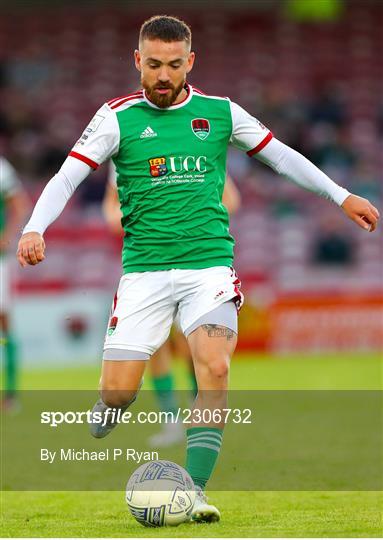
(171, 170)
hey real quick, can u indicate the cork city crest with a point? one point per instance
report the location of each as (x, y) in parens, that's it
(158, 166)
(112, 325)
(201, 128)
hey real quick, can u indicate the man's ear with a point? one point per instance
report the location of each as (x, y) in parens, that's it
(191, 59)
(137, 59)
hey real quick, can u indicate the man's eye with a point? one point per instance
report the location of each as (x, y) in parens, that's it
(153, 66)
(177, 66)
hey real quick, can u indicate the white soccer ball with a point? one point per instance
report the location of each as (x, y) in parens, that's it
(160, 493)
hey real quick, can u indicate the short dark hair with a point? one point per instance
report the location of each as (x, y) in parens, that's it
(165, 28)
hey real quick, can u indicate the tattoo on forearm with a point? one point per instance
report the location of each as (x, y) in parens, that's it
(214, 330)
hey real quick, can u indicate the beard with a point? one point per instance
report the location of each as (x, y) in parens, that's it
(162, 100)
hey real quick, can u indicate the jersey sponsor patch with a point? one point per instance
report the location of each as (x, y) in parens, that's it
(94, 124)
(158, 166)
(201, 128)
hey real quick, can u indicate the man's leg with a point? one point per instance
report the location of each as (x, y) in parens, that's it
(120, 381)
(162, 378)
(212, 346)
(163, 383)
(183, 350)
(140, 319)
(119, 386)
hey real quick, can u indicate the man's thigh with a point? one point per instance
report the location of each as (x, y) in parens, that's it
(141, 316)
(212, 346)
(212, 341)
(213, 292)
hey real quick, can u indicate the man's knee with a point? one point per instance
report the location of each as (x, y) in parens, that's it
(118, 398)
(121, 381)
(216, 364)
(115, 394)
(219, 368)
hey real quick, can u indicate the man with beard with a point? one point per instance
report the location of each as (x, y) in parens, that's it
(169, 143)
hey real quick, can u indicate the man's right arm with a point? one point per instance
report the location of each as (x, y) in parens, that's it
(99, 142)
(51, 203)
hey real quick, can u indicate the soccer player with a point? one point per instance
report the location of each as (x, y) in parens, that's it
(13, 208)
(160, 363)
(169, 143)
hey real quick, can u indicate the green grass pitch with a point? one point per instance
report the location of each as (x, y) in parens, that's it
(244, 514)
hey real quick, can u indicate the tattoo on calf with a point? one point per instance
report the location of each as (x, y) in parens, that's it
(214, 330)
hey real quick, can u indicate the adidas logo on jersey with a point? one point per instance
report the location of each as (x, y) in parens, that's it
(148, 132)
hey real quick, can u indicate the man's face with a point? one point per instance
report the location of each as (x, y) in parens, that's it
(163, 68)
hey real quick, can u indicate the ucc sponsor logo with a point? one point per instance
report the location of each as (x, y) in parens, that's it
(159, 166)
(188, 164)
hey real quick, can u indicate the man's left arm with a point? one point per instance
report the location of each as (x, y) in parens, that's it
(253, 137)
(295, 167)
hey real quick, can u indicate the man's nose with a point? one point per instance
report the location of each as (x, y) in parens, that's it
(163, 74)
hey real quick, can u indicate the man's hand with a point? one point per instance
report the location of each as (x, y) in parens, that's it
(30, 249)
(362, 212)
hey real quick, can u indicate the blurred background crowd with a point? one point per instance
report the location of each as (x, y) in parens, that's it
(310, 70)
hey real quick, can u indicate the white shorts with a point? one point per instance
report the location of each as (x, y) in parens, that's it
(146, 304)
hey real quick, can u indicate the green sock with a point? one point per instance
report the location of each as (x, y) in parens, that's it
(10, 365)
(164, 389)
(203, 447)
